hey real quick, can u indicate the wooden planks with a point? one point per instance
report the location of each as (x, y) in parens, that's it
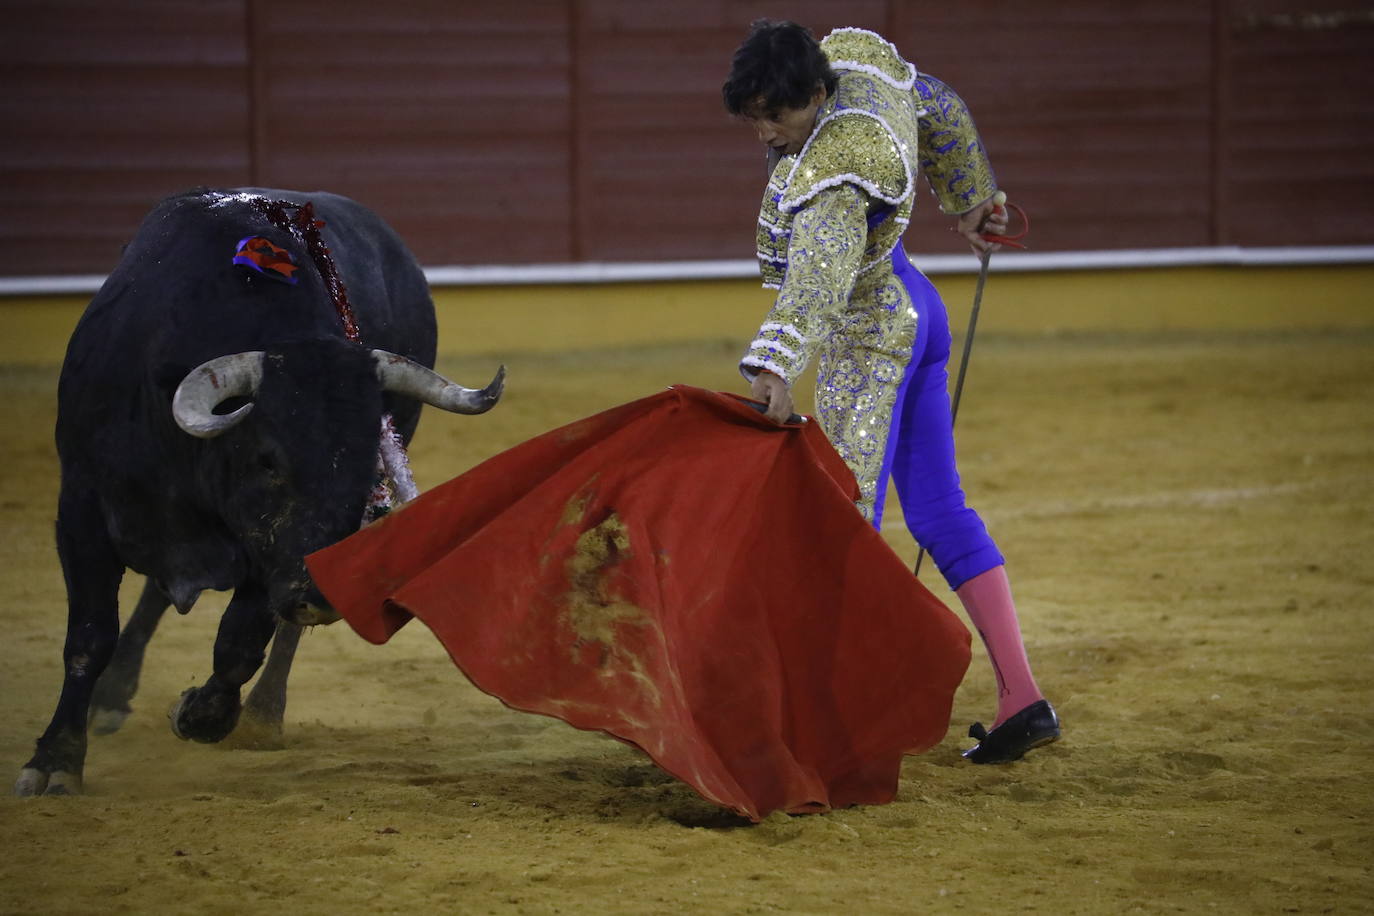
(106, 108)
(566, 130)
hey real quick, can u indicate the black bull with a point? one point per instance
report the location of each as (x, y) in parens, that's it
(215, 424)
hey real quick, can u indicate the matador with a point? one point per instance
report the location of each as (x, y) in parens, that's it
(849, 124)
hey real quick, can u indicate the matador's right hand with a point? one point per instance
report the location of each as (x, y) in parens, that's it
(773, 391)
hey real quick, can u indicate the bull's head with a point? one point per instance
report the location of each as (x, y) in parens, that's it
(239, 374)
(297, 477)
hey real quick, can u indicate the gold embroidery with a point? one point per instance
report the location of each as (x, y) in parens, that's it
(859, 375)
(825, 248)
(828, 224)
(855, 148)
(952, 154)
(866, 49)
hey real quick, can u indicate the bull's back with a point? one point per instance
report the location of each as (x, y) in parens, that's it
(176, 299)
(385, 285)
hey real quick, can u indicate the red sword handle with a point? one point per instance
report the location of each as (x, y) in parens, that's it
(999, 205)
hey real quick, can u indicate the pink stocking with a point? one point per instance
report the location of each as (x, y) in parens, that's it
(987, 599)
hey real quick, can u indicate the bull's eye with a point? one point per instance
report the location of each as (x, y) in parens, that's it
(268, 462)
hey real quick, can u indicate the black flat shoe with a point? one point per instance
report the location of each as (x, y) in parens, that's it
(1030, 728)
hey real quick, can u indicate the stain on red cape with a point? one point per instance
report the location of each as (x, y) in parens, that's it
(686, 576)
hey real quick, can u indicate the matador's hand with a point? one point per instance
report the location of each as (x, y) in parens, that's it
(773, 391)
(989, 217)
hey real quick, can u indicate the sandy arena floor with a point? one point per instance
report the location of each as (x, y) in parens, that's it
(1188, 521)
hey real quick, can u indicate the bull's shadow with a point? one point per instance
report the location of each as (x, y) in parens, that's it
(230, 401)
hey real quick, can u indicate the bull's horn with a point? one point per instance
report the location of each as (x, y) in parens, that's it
(405, 376)
(209, 384)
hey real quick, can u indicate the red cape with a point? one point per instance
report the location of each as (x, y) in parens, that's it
(686, 576)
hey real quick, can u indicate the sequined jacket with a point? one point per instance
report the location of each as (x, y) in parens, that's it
(832, 214)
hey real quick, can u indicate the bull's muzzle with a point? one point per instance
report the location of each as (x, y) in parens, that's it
(306, 614)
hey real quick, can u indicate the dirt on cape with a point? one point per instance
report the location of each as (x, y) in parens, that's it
(592, 613)
(1188, 525)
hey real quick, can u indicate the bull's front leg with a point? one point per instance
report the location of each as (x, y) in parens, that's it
(210, 712)
(260, 727)
(92, 570)
(110, 705)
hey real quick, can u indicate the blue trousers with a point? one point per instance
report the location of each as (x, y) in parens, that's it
(920, 446)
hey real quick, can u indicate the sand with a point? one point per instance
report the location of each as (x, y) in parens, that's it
(1188, 523)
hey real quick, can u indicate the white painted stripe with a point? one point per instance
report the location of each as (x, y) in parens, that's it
(591, 272)
(1127, 258)
(38, 286)
(655, 271)
(1201, 498)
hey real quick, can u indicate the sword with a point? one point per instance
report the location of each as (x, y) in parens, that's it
(998, 200)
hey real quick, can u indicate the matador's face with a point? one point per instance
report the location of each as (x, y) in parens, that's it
(785, 130)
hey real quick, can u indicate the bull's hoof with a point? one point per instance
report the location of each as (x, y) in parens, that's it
(30, 782)
(33, 782)
(107, 721)
(204, 716)
(61, 783)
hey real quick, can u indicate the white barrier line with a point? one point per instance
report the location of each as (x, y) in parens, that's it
(658, 271)
(1169, 499)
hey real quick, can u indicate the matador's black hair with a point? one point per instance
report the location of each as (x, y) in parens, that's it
(779, 63)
